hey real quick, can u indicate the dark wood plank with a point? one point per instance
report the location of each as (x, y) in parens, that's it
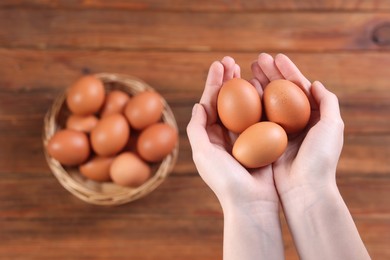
(27, 88)
(127, 240)
(69, 228)
(364, 155)
(204, 5)
(360, 77)
(366, 150)
(45, 45)
(190, 31)
(365, 197)
(24, 111)
(66, 225)
(30, 80)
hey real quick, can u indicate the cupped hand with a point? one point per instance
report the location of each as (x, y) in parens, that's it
(311, 157)
(211, 147)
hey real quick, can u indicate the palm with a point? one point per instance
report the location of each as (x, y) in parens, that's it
(293, 169)
(225, 176)
(253, 185)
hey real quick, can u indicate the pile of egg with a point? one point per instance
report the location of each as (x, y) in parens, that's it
(262, 139)
(112, 136)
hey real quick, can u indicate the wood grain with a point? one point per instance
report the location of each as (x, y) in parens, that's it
(25, 99)
(364, 197)
(35, 70)
(359, 117)
(363, 155)
(66, 225)
(204, 5)
(46, 44)
(150, 30)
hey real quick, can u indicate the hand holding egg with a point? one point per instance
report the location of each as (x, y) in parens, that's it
(232, 183)
(288, 157)
(287, 111)
(264, 116)
(257, 167)
(311, 156)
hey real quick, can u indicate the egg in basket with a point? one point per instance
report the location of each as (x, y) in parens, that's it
(110, 139)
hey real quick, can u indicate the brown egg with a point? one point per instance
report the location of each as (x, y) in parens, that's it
(97, 169)
(110, 135)
(82, 123)
(128, 169)
(238, 104)
(86, 95)
(156, 142)
(260, 144)
(115, 102)
(144, 109)
(69, 147)
(287, 105)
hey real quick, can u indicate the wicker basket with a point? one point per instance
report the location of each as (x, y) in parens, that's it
(106, 193)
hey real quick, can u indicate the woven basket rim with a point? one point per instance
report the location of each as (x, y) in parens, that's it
(108, 194)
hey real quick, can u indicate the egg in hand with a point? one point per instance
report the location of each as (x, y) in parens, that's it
(287, 105)
(261, 143)
(238, 105)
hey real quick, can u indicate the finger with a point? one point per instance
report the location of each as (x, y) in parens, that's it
(268, 66)
(256, 83)
(210, 92)
(327, 101)
(260, 89)
(237, 71)
(293, 74)
(229, 66)
(259, 74)
(196, 128)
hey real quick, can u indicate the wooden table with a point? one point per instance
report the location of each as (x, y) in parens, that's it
(45, 45)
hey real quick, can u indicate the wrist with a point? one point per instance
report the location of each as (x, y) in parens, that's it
(320, 223)
(257, 209)
(304, 197)
(252, 231)
(262, 215)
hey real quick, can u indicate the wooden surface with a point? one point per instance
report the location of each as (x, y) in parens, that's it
(45, 45)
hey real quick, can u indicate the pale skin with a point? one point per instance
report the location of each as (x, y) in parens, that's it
(302, 179)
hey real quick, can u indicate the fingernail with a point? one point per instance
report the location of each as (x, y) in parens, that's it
(263, 54)
(194, 109)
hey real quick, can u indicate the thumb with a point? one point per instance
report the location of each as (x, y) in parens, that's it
(196, 128)
(327, 101)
